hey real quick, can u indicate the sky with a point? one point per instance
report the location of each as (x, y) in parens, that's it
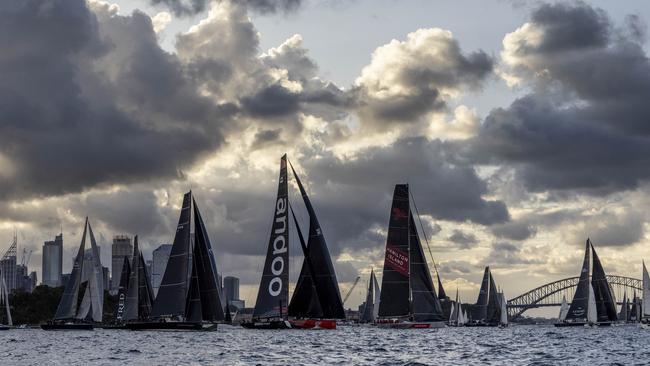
(522, 128)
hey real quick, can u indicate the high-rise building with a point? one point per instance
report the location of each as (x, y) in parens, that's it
(8, 265)
(121, 248)
(33, 279)
(231, 288)
(160, 257)
(53, 262)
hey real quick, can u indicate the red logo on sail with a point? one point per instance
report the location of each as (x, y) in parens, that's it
(399, 214)
(397, 260)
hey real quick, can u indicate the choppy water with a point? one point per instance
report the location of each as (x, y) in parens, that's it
(519, 345)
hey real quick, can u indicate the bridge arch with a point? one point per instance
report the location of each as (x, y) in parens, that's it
(537, 297)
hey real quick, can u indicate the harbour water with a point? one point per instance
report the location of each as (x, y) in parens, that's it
(517, 345)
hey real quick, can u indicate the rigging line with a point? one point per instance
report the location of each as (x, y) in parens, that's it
(426, 240)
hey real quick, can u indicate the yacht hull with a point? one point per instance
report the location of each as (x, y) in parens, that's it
(411, 325)
(274, 324)
(165, 326)
(64, 326)
(313, 324)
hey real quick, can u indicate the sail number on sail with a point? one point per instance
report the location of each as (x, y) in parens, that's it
(279, 247)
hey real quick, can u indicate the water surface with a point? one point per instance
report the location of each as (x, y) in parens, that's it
(517, 345)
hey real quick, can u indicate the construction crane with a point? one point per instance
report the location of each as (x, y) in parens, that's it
(351, 288)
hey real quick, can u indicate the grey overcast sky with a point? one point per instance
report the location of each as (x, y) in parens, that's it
(522, 126)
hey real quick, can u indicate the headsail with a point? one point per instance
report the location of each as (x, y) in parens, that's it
(139, 293)
(494, 302)
(395, 285)
(580, 302)
(368, 314)
(206, 270)
(605, 300)
(624, 315)
(4, 301)
(67, 308)
(172, 293)
(504, 309)
(273, 294)
(425, 305)
(592, 313)
(324, 275)
(564, 309)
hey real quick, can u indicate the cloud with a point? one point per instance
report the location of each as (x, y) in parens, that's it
(583, 127)
(514, 230)
(406, 80)
(191, 7)
(91, 100)
(463, 240)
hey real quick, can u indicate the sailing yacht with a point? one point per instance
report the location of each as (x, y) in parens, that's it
(593, 302)
(316, 301)
(457, 316)
(69, 314)
(189, 297)
(408, 298)
(490, 308)
(564, 309)
(373, 295)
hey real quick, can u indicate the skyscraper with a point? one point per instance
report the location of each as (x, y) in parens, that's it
(231, 288)
(121, 248)
(160, 257)
(53, 262)
(8, 265)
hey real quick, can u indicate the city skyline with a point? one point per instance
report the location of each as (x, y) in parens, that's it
(506, 119)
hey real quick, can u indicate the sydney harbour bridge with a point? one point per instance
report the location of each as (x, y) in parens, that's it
(551, 294)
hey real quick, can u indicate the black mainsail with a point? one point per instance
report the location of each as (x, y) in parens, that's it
(494, 302)
(323, 274)
(605, 300)
(273, 294)
(172, 293)
(67, 308)
(122, 290)
(580, 302)
(395, 282)
(139, 297)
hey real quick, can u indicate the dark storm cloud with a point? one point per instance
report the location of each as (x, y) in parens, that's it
(514, 230)
(585, 127)
(72, 119)
(191, 7)
(462, 239)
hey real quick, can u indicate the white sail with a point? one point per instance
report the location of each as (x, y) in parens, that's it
(465, 318)
(646, 293)
(375, 310)
(504, 309)
(96, 280)
(564, 309)
(84, 307)
(4, 299)
(592, 315)
(453, 314)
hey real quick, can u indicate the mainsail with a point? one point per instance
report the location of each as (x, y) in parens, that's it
(395, 284)
(580, 302)
(623, 315)
(67, 308)
(494, 303)
(172, 293)
(139, 297)
(273, 294)
(646, 293)
(122, 290)
(323, 273)
(504, 309)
